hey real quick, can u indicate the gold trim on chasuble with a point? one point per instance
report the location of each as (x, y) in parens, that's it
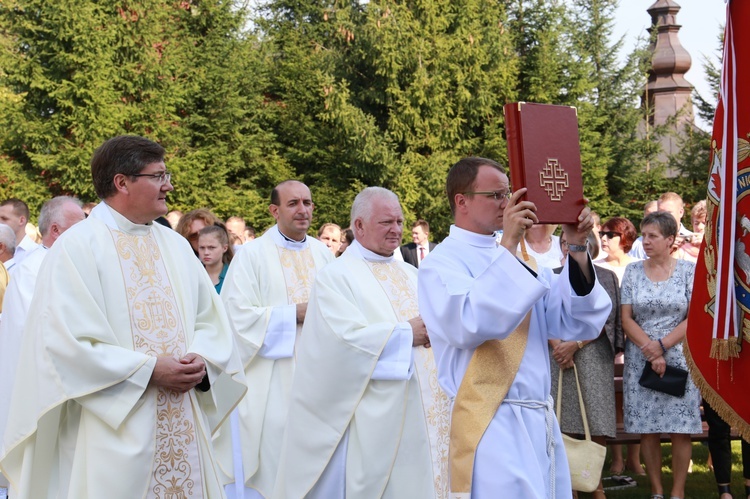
(158, 331)
(299, 273)
(435, 403)
(491, 371)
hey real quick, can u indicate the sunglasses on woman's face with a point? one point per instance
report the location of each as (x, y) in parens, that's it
(610, 234)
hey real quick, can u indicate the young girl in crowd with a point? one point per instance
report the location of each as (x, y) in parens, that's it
(215, 253)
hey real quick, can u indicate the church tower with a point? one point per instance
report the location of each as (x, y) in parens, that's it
(667, 92)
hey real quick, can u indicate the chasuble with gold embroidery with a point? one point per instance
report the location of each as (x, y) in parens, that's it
(84, 420)
(366, 417)
(263, 286)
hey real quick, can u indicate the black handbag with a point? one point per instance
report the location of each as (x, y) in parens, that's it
(673, 383)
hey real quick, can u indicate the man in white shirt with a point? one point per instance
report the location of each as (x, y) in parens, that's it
(672, 203)
(417, 250)
(15, 214)
(366, 417)
(266, 292)
(504, 436)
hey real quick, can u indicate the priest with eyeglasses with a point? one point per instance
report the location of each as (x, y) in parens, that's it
(127, 364)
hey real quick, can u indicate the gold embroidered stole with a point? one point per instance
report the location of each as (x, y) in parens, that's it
(491, 371)
(435, 403)
(299, 274)
(158, 331)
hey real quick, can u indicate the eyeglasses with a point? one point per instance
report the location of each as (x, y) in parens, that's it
(161, 177)
(610, 234)
(491, 194)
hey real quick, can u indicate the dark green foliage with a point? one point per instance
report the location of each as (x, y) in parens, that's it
(692, 163)
(707, 105)
(695, 144)
(338, 93)
(78, 73)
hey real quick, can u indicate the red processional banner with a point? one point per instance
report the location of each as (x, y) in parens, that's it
(719, 317)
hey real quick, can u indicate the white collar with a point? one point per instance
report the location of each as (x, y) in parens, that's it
(117, 221)
(473, 238)
(27, 244)
(285, 242)
(365, 254)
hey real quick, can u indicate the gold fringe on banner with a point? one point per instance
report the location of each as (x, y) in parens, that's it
(735, 346)
(722, 408)
(722, 349)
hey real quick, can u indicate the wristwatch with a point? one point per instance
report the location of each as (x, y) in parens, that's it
(576, 247)
(580, 344)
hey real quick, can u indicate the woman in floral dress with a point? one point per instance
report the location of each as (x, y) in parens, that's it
(655, 298)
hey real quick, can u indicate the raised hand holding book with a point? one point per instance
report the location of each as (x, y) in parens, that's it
(545, 157)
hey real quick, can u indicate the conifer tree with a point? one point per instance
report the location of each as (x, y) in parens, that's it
(614, 149)
(77, 73)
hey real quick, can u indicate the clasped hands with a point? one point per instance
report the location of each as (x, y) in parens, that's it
(563, 353)
(179, 375)
(654, 354)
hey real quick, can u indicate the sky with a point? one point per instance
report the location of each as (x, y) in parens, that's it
(701, 21)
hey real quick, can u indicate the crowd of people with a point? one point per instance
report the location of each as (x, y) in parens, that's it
(147, 353)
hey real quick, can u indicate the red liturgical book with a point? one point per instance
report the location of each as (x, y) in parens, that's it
(545, 157)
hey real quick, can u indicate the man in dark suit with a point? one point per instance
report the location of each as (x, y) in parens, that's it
(418, 250)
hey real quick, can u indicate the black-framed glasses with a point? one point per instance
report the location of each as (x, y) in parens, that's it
(610, 234)
(491, 194)
(162, 177)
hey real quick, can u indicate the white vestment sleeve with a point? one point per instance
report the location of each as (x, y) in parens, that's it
(113, 404)
(479, 308)
(395, 362)
(281, 333)
(571, 317)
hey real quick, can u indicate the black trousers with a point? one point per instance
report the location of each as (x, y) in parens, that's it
(719, 444)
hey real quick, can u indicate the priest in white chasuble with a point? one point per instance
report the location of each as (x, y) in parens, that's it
(127, 363)
(266, 291)
(366, 416)
(505, 440)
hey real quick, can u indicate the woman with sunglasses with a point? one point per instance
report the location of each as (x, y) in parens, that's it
(191, 224)
(617, 236)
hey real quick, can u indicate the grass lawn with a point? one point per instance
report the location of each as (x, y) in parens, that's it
(700, 483)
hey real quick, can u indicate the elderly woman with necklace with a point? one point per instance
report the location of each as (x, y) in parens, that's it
(655, 298)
